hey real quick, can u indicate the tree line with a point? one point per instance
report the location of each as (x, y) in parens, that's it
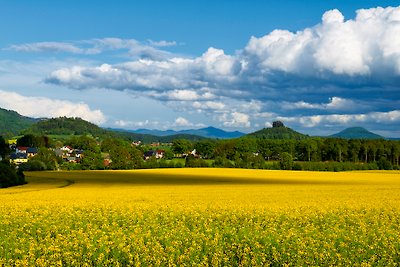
(326, 154)
(253, 152)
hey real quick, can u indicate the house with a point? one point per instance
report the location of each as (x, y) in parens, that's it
(149, 154)
(71, 159)
(67, 149)
(154, 144)
(107, 162)
(159, 153)
(18, 158)
(136, 143)
(31, 151)
(78, 153)
(21, 149)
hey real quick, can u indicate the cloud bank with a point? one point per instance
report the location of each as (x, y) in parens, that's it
(41, 107)
(356, 52)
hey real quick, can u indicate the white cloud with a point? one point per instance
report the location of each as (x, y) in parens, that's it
(336, 52)
(97, 46)
(162, 43)
(335, 47)
(42, 107)
(47, 47)
(236, 119)
(345, 119)
(180, 121)
(182, 95)
(209, 105)
(335, 103)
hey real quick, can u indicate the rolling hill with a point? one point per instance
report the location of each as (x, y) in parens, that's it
(77, 126)
(357, 133)
(12, 123)
(278, 132)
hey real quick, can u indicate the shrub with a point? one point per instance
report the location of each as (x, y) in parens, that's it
(33, 165)
(9, 176)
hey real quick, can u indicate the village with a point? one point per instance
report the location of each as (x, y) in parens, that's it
(67, 154)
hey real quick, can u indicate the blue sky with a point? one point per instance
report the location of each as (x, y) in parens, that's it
(319, 66)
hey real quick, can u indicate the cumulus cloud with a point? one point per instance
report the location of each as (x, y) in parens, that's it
(335, 53)
(182, 95)
(346, 119)
(335, 103)
(42, 107)
(212, 68)
(180, 121)
(358, 47)
(236, 119)
(209, 105)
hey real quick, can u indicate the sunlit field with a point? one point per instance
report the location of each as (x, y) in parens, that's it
(204, 217)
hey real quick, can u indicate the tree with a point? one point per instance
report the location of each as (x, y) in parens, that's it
(3, 148)
(48, 158)
(30, 140)
(205, 148)
(286, 161)
(181, 146)
(245, 145)
(9, 176)
(122, 154)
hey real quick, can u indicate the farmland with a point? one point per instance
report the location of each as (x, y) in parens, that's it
(225, 217)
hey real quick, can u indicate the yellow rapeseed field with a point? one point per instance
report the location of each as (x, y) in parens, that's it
(202, 217)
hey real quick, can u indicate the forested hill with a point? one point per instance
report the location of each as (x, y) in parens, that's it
(278, 131)
(65, 126)
(77, 126)
(357, 133)
(12, 123)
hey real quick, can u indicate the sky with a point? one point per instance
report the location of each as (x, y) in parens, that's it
(317, 66)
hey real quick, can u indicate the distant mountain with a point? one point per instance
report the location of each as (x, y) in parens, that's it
(278, 131)
(149, 138)
(357, 133)
(209, 132)
(12, 123)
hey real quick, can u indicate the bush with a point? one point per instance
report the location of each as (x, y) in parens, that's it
(286, 161)
(33, 165)
(384, 164)
(192, 162)
(223, 163)
(9, 176)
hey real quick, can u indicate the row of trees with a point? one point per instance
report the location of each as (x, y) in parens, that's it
(252, 150)
(240, 153)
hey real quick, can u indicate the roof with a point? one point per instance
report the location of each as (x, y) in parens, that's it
(32, 150)
(18, 156)
(149, 153)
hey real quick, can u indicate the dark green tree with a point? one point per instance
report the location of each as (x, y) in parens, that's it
(48, 158)
(181, 146)
(30, 140)
(205, 148)
(4, 150)
(286, 161)
(9, 176)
